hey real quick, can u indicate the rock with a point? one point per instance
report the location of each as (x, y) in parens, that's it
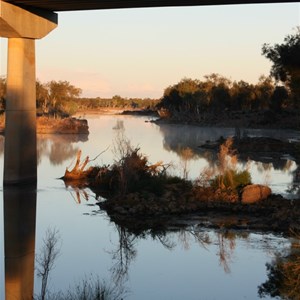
(254, 193)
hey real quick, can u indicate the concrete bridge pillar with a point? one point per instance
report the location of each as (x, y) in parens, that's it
(20, 157)
(21, 27)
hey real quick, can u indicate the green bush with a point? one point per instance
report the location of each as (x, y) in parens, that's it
(231, 179)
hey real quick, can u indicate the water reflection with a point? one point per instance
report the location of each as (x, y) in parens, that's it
(58, 148)
(125, 250)
(128, 242)
(267, 164)
(170, 234)
(19, 240)
(77, 190)
(283, 275)
(122, 255)
(178, 138)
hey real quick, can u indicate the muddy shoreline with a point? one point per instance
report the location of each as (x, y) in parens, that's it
(274, 214)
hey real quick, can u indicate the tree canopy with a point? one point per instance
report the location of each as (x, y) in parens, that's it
(217, 93)
(56, 97)
(286, 62)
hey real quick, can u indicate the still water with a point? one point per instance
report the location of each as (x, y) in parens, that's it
(181, 263)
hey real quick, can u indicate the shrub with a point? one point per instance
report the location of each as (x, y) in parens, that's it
(232, 179)
(225, 174)
(133, 173)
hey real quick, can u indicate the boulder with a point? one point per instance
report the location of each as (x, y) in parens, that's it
(254, 193)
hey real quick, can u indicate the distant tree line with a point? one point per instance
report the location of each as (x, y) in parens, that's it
(60, 98)
(117, 102)
(216, 94)
(56, 98)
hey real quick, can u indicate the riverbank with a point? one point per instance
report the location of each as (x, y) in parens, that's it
(235, 119)
(51, 125)
(238, 119)
(274, 214)
(181, 205)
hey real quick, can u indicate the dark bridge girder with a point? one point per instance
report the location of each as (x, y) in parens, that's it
(67, 5)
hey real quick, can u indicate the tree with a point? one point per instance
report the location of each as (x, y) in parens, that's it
(57, 97)
(263, 90)
(243, 95)
(286, 63)
(42, 97)
(62, 90)
(280, 95)
(220, 98)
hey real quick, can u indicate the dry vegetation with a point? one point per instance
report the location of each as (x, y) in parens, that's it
(133, 188)
(133, 179)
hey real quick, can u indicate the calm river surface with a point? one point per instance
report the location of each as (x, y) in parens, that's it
(186, 263)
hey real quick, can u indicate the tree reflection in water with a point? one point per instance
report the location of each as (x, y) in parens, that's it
(45, 260)
(122, 256)
(178, 138)
(58, 148)
(226, 242)
(131, 231)
(295, 185)
(128, 237)
(88, 288)
(283, 275)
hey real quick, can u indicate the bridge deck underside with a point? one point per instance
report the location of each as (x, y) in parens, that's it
(67, 5)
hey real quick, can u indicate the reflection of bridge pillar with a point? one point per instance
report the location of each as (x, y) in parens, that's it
(21, 27)
(19, 240)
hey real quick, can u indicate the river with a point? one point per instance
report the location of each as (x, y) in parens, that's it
(185, 262)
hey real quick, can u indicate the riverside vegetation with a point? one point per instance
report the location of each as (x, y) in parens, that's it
(135, 191)
(272, 102)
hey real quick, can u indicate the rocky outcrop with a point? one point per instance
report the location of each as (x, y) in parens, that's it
(254, 193)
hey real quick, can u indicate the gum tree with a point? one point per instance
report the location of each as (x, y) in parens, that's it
(286, 63)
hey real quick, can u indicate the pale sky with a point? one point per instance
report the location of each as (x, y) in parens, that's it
(140, 52)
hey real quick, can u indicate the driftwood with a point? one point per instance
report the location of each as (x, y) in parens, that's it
(78, 172)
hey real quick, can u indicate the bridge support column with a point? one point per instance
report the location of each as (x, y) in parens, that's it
(21, 27)
(20, 123)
